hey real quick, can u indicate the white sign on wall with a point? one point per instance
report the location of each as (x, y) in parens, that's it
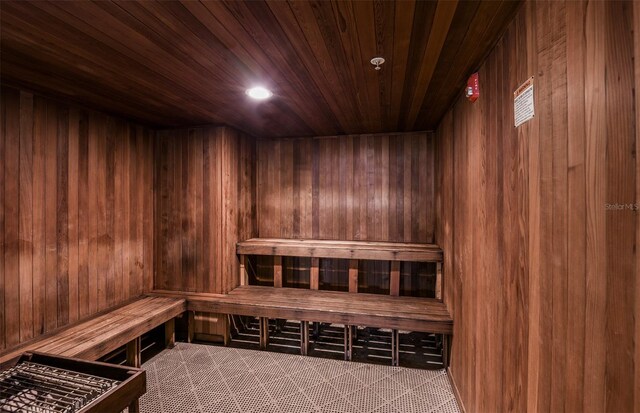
(523, 108)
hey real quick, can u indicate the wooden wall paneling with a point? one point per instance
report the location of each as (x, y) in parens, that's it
(176, 169)
(595, 158)
(3, 121)
(227, 237)
(121, 273)
(231, 197)
(39, 214)
(197, 154)
(576, 187)
(277, 271)
(138, 182)
(216, 146)
(622, 272)
(461, 370)
(314, 274)
(394, 278)
(636, 42)
(11, 226)
(130, 192)
(26, 215)
(636, 38)
(51, 255)
(187, 257)
(92, 215)
(558, 201)
(522, 276)
(408, 191)
(353, 276)
(530, 226)
(61, 210)
(538, 336)
(206, 208)
(72, 219)
(204, 205)
(160, 215)
(347, 187)
(287, 207)
(108, 250)
(148, 208)
(216, 199)
(83, 215)
(65, 258)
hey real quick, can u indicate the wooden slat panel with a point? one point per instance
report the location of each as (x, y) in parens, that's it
(53, 157)
(636, 38)
(11, 216)
(353, 276)
(72, 221)
(210, 188)
(277, 271)
(314, 274)
(541, 269)
(359, 187)
(26, 216)
(394, 279)
(3, 134)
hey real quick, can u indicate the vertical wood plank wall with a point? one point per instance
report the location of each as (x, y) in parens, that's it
(205, 204)
(75, 216)
(543, 276)
(205, 197)
(357, 187)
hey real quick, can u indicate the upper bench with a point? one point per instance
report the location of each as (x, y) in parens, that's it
(363, 250)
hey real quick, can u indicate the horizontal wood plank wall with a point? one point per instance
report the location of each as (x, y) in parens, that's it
(76, 189)
(542, 276)
(357, 187)
(204, 205)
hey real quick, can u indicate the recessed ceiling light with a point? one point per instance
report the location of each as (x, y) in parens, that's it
(259, 93)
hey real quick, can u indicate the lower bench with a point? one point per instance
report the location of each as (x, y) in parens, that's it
(371, 310)
(99, 335)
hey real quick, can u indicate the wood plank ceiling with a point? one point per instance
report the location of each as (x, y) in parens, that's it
(178, 63)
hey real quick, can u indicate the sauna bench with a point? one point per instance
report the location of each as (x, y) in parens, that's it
(394, 252)
(99, 335)
(369, 310)
(359, 250)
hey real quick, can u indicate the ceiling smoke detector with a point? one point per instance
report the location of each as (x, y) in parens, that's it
(377, 61)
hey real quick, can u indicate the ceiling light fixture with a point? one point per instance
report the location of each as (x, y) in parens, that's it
(377, 61)
(259, 93)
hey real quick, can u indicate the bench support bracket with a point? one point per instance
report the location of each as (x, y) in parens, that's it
(304, 337)
(133, 353)
(264, 333)
(170, 333)
(348, 342)
(445, 350)
(395, 347)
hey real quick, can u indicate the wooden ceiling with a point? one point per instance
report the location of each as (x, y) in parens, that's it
(187, 63)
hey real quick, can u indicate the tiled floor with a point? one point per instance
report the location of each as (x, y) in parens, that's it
(201, 378)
